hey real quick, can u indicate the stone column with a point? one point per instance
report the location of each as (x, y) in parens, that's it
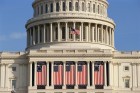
(138, 72)
(118, 74)
(64, 78)
(89, 32)
(76, 82)
(82, 31)
(44, 36)
(93, 85)
(107, 35)
(51, 36)
(102, 34)
(34, 35)
(93, 34)
(66, 26)
(134, 75)
(38, 34)
(30, 74)
(87, 37)
(48, 74)
(52, 68)
(35, 73)
(96, 30)
(59, 34)
(110, 39)
(6, 76)
(113, 37)
(2, 75)
(111, 70)
(88, 67)
(105, 76)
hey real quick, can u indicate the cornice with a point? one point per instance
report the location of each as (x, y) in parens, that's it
(69, 15)
(70, 55)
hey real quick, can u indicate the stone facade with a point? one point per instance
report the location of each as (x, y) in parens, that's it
(49, 40)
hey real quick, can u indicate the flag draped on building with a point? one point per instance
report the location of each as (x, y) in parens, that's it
(70, 71)
(58, 75)
(82, 75)
(41, 74)
(75, 31)
(98, 74)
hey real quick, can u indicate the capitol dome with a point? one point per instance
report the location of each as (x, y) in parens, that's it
(70, 24)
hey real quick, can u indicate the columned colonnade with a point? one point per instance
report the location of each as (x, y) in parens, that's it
(60, 32)
(34, 84)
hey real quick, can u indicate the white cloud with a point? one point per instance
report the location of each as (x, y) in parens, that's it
(14, 35)
(17, 35)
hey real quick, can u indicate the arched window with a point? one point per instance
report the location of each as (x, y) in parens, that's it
(70, 6)
(51, 7)
(41, 9)
(64, 6)
(46, 10)
(83, 6)
(98, 9)
(76, 6)
(93, 8)
(57, 7)
(88, 7)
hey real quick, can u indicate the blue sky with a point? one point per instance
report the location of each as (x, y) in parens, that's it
(15, 13)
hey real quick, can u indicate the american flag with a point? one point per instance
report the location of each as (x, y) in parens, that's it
(98, 74)
(82, 75)
(41, 74)
(70, 71)
(75, 31)
(58, 75)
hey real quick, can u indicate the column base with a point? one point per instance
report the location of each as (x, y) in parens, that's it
(76, 87)
(50, 87)
(64, 87)
(107, 87)
(90, 87)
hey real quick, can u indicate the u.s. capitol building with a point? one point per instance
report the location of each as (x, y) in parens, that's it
(70, 46)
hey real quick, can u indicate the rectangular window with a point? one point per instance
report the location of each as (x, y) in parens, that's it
(14, 84)
(46, 8)
(70, 6)
(51, 8)
(13, 68)
(127, 83)
(93, 8)
(41, 9)
(76, 6)
(126, 68)
(64, 6)
(57, 7)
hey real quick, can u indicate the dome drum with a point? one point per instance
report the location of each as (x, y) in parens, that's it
(61, 32)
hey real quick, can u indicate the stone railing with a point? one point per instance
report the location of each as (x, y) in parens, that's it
(70, 51)
(71, 14)
(127, 54)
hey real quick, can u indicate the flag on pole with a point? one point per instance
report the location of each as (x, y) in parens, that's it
(75, 31)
